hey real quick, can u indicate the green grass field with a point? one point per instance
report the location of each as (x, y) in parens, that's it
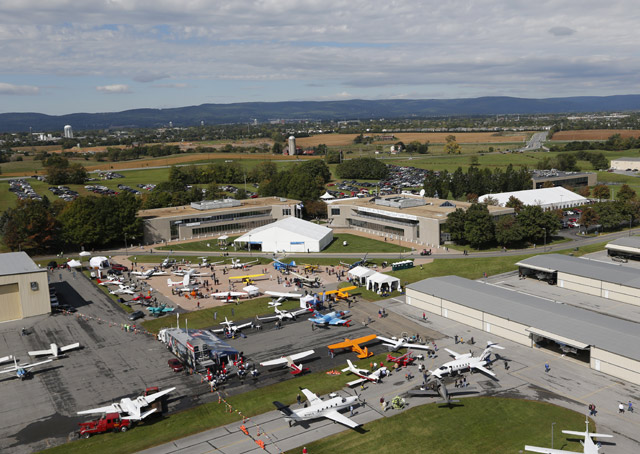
(480, 425)
(359, 244)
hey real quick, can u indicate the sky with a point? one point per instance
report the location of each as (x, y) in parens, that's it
(63, 56)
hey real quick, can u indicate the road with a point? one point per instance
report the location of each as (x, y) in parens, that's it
(536, 141)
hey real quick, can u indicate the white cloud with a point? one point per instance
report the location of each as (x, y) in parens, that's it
(10, 89)
(561, 31)
(116, 88)
(174, 85)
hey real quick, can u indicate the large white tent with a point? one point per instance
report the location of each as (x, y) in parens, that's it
(360, 274)
(288, 235)
(557, 198)
(382, 282)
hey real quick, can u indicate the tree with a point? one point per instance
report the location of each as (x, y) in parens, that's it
(611, 214)
(626, 194)
(535, 223)
(333, 157)
(567, 162)
(455, 225)
(213, 192)
(451, 146)
(589, 217)
(478, 226)
(584, 191)
(474, 161)
(507, 230)
(241, 194)
(362, 168)
(601, 192)
(514, 203)
(491, 201)
(277, 148)
(30, 226)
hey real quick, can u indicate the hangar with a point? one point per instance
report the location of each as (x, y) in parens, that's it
(288, 235)
(609, 344)
(24, 287)
(626, 247)
(607, 280)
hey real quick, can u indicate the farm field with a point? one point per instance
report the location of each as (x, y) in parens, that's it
(594, 134)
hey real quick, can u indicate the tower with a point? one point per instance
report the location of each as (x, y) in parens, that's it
(68, 132)
(292, 145)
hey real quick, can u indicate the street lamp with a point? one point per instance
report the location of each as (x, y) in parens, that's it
(125, 244)
(545, 239)
(552, 424)
(630, 221)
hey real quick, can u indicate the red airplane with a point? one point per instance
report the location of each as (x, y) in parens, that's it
(140, 296)
(403, 360)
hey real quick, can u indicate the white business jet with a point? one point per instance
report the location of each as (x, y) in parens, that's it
(130, 408)
(589, 447)
(289, 361)
(319, 408)
(364, 374)
(466, 361)
(54, 350)
(403, 342)
(147, 274)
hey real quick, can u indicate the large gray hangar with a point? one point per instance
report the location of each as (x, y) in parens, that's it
(608, 344)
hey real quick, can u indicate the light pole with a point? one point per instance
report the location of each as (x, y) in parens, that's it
(125, 244)
(545, 239)
(552, 424)
(630, 221)
(250, 252)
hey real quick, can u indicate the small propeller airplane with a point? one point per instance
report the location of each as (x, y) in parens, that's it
(332, 318)
(319, 408)
(589, 447)
(130, 408)
(186, 280)
(125, 289)
(309, 267)
(235, 263)
(282, 314)
(304, 280)
(404, 360)
(282, 266)
(163, 309)
(54, 350)
(289, 361)
(466, 361)
(22, 370)
(341, 293)
(190, 272)
(437, 388)
(354, 345)
(110, 281)
(403, 342)
(205, 262)
(229, 295)
(248, 279)
(361, 262)
(141, 297)
(281, 297)
(230, 326)
(364, 374)
(147, 274)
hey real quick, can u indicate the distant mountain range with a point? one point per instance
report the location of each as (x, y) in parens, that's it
(316, 110)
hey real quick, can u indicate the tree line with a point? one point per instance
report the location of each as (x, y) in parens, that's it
(362, 169)
(615, 142)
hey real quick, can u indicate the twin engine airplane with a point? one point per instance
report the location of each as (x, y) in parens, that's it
(319, 408)
(466, 361)
(332, 318)
(290, 362)
(282, 314)
(589, 447)
(147, 274)
(437, 388)
(397, 344)
(354, 345)
(229, 325)
(364, 374)
(130, 408)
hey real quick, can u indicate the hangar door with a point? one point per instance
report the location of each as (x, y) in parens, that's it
(10, 307)
(297, 246)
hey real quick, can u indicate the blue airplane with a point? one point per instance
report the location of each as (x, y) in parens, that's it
(279, 266)
(160, 310)
(331, 318)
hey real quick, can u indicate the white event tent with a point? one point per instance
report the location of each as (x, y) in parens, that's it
(557, 198)
(288, 235)
(382, 282)
(360, 274)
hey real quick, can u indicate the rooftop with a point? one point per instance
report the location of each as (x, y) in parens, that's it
(17, 263)
(626, 242)
(608, 333)
(289, 224)
(553, 173)
(626, 159)
(543, 196)
(593, 269)
(260, 202)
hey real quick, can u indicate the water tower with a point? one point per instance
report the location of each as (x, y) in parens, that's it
(292, 145)
(68, 132)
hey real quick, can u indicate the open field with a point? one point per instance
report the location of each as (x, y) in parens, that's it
(493, 425)
(335, 140)
(594, 134)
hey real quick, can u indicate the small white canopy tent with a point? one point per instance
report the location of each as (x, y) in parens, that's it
(252, 290)
(85, 254)
(74, 264)
(382, 282)
(99, 263)
(360, 274)
(327, 196)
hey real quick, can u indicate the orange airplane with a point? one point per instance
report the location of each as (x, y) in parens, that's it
(354, 345)
(340, 293)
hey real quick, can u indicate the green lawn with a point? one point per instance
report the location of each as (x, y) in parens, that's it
(359, 244)
(480, 425)
(524, 247)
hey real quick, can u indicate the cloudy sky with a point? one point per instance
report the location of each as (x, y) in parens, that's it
(64, 56)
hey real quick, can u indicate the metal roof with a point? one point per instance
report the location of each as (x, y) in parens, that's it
(580, 325)
(17, 263)
(593, 269)
(289, 224)
(626, 243)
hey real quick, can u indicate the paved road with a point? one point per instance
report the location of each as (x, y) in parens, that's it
(536, 141)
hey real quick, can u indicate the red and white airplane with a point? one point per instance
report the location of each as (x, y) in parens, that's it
(290, 362)
(130, 408)
(466, 361)
(404, 360)
(364, 374)
(403, 342)
(110, 281)
(229, 295)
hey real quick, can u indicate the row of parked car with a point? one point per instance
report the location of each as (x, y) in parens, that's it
(23, 190)
(64, 192)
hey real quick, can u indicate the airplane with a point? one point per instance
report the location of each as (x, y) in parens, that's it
(186, 280)
(130, 408)
(361, 262)
(404, 360)
(589, 447)
(304, 280)
(332, 318)
(281, 315)
(128, 289)
(205, 262)
(466, 361)
(341, 293)
(437, 388)
(290, 362)
(190, 272)
(230, 326)
(235, 263)
(308, 267)
(279, 266)
(364, 374)
(229, 295)
(397, 344)
(354, 344)
(22, 370)
(247, 279)
(160, 310)
(280, 297)
(319, 408)
(54, 350)
(140, 297)
(110, 281)
(147, 274)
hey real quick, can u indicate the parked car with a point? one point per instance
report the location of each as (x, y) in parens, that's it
(118, 267)
(175, 364)
(136, 315)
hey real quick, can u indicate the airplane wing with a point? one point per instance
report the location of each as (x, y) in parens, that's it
(298, 312)
(356, 382)
(274, 362)
(342, 419)
(301, 355)
(153, 397)
(268, 319)
(456, 355)
(113, 408)
(41, 352)
(221, 330)
(483, 369)
(338, 321)
(311, 397)
(547, 450)
(417, 346)
(347, 289)
(281, 294)
(345, 344)
(244, 325)
(582, 434)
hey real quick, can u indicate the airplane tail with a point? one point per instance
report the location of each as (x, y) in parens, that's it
(347, 323)
(284, 409)
(351, 366)
(364, 353)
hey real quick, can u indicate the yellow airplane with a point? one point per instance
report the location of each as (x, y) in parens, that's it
(354, 345)
(308, 267)
(247, 279)
(340, 293)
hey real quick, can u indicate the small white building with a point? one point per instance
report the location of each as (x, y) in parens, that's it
(288, 235)
(625, 163)
(557, 198)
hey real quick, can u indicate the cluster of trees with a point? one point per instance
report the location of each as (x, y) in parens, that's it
(476, 182)
(451, 146)
(362, 169)
(223, 172)
(569, 162)
(615, 142)
(93, 222)
(477, 228)
(115, 154)
(304, 181)
(59, 171)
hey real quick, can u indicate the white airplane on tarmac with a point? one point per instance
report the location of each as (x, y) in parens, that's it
(229, 295)
(128, 289)
(21, 370)
(589, 447)
(54, 350)
(281, 315)
(305, 280)
(319, 408)
(466, 361)
(364, 374)
(147, 274)
(281, 296)
(403, 342)
(191, 272)
(235, 263)
(289, 360)
(229, 325)
(130, 408)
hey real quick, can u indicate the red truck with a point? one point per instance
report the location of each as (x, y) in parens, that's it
(108, 422)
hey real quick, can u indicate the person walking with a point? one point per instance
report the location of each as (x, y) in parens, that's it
(621, 408)
(547, 368)
(382, 403)
(351, 410)
(630, 409)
